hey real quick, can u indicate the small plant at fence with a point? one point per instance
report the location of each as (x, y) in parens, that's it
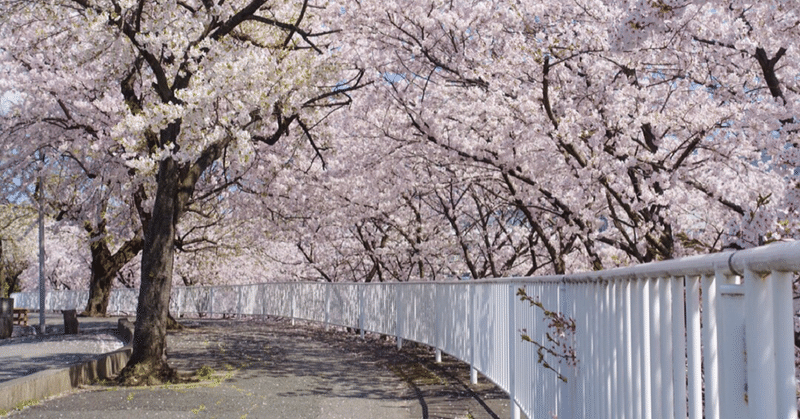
(558, 341)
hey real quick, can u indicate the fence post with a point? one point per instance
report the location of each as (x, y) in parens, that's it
(473, 372)
(437, 319)
(361, 309)
(666, 351)
(565, 402)
(211, 303)
(733, 379)
(693, 347)
(512, 333)
(328, 291)
(647, 389)
(781, 284)
(623, 402)
(239, 300)
(760, 346)
(627, 346)
(294, 303)
(655, 347)
(398, 324)
(679, 332)
(711, 344)
(179, 297)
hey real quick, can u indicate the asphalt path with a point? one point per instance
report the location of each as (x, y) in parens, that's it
(270, 369)
(30, 352)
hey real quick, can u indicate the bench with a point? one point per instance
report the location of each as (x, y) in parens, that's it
(21, 316)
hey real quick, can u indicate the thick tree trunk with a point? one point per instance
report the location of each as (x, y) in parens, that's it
(102, 276)
(105, 267)
(148, 363)
(4, 288)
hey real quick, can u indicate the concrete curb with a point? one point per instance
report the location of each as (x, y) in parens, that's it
(44, 384)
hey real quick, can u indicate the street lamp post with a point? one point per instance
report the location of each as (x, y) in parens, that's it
(40, 190)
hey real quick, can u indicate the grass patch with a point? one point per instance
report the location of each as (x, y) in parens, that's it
(416, 374)
(205, 372)
(21, 405)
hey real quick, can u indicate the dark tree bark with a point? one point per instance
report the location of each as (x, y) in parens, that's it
(105, 267)
(148, 361)
(4, 287)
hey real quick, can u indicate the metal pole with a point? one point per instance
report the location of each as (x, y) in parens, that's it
(40, 191)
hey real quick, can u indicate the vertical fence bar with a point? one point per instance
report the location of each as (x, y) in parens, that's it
(179, 310)
(512, 350)
(400, 312)
(760, 345)
(606, 354)
(293, 292)
(621, 384)
(597, 385)
(261, 296)
(473, 313)
(438, 337)
(693, 350)
(666, 356)
(627, 347)
(566, 399)
(211, 302)
(786, 398)
(361, 313)
(637, 389)
(239, 289)
(679, 345)
(581, 330)
(588, 314)
(601, 333)
(597, 351)
(733, 360)
(711, 345)
(328, 291)
(646, 365)
(656, 373)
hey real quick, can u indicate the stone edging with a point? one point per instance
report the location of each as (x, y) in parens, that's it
(43, 384)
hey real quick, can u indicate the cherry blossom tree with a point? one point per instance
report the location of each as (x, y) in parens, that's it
(617, 132)
(196, 93)
(14, 221)
(82, 187)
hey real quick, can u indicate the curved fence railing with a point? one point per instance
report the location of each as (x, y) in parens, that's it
(708, 336)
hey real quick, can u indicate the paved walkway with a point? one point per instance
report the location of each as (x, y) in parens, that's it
(25, 355)
(270, 369)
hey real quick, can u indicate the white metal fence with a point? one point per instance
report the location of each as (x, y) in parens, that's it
(708, 336)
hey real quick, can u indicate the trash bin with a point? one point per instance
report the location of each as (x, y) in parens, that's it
(70, 321)
(6, 317)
